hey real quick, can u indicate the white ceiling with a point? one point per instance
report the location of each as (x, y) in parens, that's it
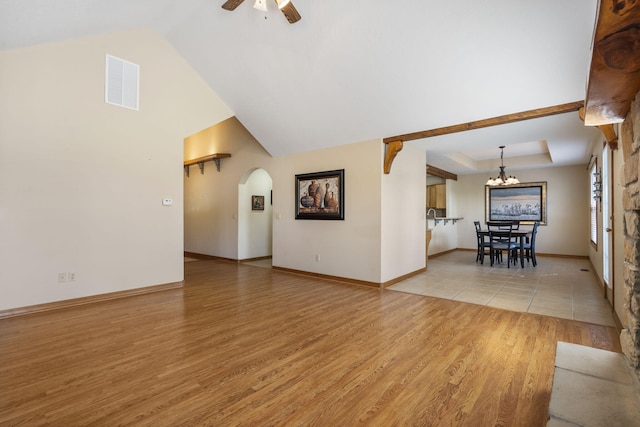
(356, 70)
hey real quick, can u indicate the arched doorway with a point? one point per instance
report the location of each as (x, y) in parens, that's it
(255, 218)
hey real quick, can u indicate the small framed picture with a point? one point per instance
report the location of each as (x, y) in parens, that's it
(257, 203)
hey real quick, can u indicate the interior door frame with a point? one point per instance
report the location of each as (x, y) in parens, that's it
(608, 244)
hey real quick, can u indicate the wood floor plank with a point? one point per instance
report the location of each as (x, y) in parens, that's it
(254, 346)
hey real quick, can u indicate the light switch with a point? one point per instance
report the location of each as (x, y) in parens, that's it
(167, 202)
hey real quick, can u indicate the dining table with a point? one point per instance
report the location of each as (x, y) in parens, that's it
(521, 235)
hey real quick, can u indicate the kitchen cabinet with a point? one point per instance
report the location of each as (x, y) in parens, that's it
(437, 196)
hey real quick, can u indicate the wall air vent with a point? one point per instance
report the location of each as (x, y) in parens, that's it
(121, 83)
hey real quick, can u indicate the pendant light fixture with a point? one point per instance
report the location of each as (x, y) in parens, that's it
(502, 179)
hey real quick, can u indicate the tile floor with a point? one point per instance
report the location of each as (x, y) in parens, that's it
(593, 388)
(558, 287)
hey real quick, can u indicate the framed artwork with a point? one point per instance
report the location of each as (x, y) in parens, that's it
(320, 195)
(525, 202)
(257, 203)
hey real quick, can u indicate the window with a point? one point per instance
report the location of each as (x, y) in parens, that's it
(595, 195)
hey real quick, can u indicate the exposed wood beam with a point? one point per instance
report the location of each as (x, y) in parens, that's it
(494, 121)
(432, 170)
(607, 130)
(610, 135)
(392, 149)
(614, 74)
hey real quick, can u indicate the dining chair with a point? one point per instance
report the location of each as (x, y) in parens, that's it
(498, 225)
(504, 225)
(484, 245)
(529, 247)
(500, 240)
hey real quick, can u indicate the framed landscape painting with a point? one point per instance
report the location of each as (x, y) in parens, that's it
(320, 195)
(524, 202)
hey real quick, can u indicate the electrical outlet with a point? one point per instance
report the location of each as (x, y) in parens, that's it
(317, 257)
(62, 277)
(71, 277)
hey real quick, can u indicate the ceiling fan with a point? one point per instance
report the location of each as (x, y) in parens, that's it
(287, 8)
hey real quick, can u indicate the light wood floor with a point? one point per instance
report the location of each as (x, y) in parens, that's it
(243, 345)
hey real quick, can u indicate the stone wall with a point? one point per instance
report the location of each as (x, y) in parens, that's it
(629, 136)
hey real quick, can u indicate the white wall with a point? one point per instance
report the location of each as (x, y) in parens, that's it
(403, 214)
(452, 198)
(349, 248)
(255, 226)
(81, 181)
(567, 231)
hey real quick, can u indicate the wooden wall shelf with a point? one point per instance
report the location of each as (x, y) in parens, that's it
(200, 161)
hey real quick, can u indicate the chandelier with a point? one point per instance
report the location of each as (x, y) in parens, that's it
(502, 179)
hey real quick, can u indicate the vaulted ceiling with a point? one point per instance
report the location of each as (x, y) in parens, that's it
(357, 70)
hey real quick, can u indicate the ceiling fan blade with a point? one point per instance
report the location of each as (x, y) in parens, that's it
(231, 4)
(291, 13)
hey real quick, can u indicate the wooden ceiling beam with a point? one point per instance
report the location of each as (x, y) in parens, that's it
(494, 121)
(392, 148)
(614, 74)
(607, 130)
(441, 173)
(394, 143)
